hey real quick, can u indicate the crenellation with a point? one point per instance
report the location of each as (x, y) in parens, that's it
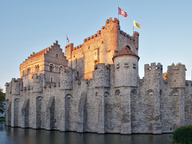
(95, 87)
(176, 75)
(153, 67)
(102, 28)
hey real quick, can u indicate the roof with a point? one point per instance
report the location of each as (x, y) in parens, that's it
(125, 51)
(40, 52)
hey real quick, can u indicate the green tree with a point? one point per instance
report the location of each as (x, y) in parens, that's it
(2, 101)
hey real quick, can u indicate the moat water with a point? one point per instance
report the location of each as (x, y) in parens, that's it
(10, 135)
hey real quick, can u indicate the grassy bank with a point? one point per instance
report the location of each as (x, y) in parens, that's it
(2, 119)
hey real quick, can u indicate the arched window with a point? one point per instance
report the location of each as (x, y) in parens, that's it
(174, 92)
(68, 96)
(60, 68)
(51, 79)
(133, 92)
(150, 92)
(117, 92)
(29, 70)
(36, 67)
(106, 94)
(51, 67)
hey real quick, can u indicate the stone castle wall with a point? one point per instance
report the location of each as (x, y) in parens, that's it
(98, 105)
(93, 91)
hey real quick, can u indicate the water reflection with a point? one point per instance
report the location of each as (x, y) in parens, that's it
(29, 136)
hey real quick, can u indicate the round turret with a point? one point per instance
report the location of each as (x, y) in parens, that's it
(66, 78)
(126, 68)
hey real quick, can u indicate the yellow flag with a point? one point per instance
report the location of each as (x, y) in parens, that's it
(136, 24)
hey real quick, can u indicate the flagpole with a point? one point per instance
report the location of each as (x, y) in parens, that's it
(66, 38)
(118, 9)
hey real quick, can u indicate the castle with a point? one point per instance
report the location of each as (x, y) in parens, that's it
(95, 87)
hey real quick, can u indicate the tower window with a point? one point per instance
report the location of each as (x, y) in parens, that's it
(29, 70)
(56, 55)
(60, 68)
(134, 66)
(117, 66)
(37, 68)
(126, 65)
(51, 79)
(51, 67)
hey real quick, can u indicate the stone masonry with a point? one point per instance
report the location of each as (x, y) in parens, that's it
(95, 87)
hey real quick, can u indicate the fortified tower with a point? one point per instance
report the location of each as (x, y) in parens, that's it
(153, 85)
(66, 79)
(176, 79)
(38, 83)
(176, 75)
(101, 77)
(100, 48)
(15, 86)
(126, 80)
(126, 68)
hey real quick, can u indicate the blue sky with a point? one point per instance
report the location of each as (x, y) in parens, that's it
(28, 26)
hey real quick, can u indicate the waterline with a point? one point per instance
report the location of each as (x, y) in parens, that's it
(10, 135)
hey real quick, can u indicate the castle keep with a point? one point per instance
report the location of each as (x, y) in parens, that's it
(95, 87)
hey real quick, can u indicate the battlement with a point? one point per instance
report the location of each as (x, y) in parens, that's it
(51, 85)
(69, 46)
(101, 75)
(126, 35)
(37, 76)
(98, 34)
(101, 66)
(179, 66)
(14, 80)
(176, 75)
(92, 37)
(111, 20)
(7, 84)
(38, 82)
(15, 86)
(153, 67)
(77, 47)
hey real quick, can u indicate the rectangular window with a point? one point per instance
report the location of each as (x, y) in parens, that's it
(117, 66)
(126, 65)
(96, 54)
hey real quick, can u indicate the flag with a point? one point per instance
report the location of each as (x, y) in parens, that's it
(122, 12)
(67, 39)
(136, 24)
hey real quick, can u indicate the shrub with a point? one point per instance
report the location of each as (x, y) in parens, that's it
(182, 135)
(2, 119)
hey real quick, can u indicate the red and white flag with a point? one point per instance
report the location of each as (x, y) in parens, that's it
(67, 39)
(122, 12)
